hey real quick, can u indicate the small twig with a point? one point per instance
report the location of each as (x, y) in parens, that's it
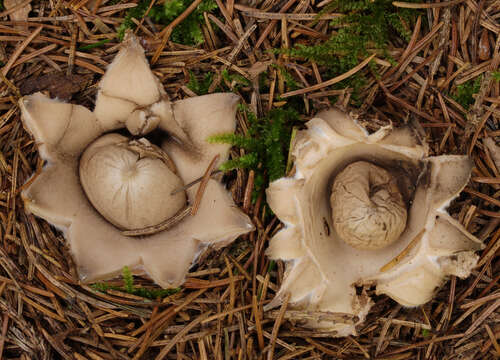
(5, 326)
(164, 352)
(167, 224)
(407, 5)
(298, 17)
(20, 48)
(194, 182)
(276, 327)
(487, 312)
(330, 82)
(203, 186)
(403, 253)
(165, 33)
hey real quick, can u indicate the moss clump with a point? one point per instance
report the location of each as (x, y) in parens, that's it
(188, 32)
(129, 287)
(464, 92)
(288, 79)
(266, 144)
(137, 12)
(200, 87)
(366, 24)
(234, 81)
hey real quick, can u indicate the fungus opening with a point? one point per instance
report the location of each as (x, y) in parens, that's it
(368, 210)
(129, 182)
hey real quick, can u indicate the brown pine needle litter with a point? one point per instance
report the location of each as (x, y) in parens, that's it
(63, 48)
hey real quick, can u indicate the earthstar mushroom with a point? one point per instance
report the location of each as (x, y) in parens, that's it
(366, 209)
(116, 198)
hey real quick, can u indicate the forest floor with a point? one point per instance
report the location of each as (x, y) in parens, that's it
(435, 62)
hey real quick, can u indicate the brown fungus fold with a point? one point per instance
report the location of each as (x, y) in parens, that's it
(366, 209)
(117, 198)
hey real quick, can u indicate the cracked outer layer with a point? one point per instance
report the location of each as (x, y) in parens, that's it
(322, 270)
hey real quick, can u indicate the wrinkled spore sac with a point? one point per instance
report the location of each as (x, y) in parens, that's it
(367, 207)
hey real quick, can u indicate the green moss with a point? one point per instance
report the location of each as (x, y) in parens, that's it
(496, 75)
(197, 86)
(266, 145)
(128, 280)
(137, 12)
(464, 92)
(188, 32)
(129, 287)
(234, 81)
(290, 82)
(366, 24)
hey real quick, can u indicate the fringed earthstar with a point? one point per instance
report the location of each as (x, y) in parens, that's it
(366, 209)
(121, 200)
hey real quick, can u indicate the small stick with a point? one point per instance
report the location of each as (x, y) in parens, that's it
(276, 326)
(203, 186)
(5, 327)
(407, 5)
(165, 33)
(331, 81)
(167, 224)
(194, 182)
